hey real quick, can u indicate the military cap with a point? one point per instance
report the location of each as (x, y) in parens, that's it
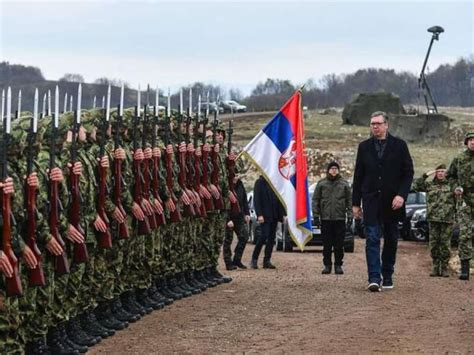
(467, 136)
(441, 166)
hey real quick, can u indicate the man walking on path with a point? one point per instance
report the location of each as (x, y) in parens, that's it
(382, 179)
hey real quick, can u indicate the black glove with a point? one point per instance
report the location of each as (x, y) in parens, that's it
(317, 221)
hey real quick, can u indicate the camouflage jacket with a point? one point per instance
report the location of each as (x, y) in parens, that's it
(439, 198)
(461, 173)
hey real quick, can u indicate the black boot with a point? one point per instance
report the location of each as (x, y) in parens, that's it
(168, 292)
(159, 289)
(254, 264)
(121, 314)
(78, 335)
(239, 264)
(229, 265)
(464, 270)
(131, 305)
(175, 287)
(193, 282)
(37, 347)
(185, 285)
(155, 296)
(58, 345)
(327, 269)
(209, 275)
(92, 327)
(147, 302)
(218, 275)
(338, 269)
(106, 318)
(68, 342)
(268, 265)
(200, 276)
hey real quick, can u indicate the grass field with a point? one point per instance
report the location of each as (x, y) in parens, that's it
(327, 134)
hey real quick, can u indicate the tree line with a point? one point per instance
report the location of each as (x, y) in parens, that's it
(451, 85)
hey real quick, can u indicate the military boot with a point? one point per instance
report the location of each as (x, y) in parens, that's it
(78, 335)
(238, 263)
(167, 291)
(159, 290)
(173, 284)
(145, 301)
(435, 270)
(194, 282)
(229, 265)
(327, 269)
(209, 274)
(106, 318)
(444, 271)
(464, 270)
(37, 347)
(68, 342)
(58, 345)
(184, 281)
(131, 305)
(121, 314)
(92, 326)
(218, 275)
(155, 296)
(200, 276)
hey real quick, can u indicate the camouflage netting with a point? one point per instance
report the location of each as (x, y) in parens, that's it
(358, 111)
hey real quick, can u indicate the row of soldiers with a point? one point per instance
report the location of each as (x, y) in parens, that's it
(106, 216)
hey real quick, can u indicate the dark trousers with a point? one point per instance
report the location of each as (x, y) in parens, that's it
(381, 268)
(333, 233)
(242, 231)
(267, 237)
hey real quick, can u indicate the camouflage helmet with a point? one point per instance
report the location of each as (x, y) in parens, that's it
(17, 138)
(467, 136)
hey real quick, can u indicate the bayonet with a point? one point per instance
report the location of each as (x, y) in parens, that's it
(94, 102)
(65, 102)
(121, 100)
(71, 101)
(103, 102)
(3, 106)
(18, 112)
(49, 111)
(44, 105)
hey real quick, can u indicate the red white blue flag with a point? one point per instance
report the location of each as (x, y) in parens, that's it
(278, 152)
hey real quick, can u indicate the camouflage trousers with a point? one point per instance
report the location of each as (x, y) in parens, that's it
(465, 217)
(218, 223)
(440, 243)
(10, 320)
(200, 252)
(115, 266)
(169, 249)
(241, 230)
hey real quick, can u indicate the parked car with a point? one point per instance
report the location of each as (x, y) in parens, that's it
(286, 244)
(420, 230)
(212, 108)
(229, 105)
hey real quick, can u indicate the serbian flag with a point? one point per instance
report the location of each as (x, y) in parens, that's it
(278, 152)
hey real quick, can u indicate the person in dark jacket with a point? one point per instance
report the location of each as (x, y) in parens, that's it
(382, 179)
(331, 206)
(269, 211)
(238, 223)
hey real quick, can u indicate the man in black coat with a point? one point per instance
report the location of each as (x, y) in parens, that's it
(269, 211)
(382, 179)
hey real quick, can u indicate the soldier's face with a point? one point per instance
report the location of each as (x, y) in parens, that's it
(441, 174)
(333, 171)
(470, 144)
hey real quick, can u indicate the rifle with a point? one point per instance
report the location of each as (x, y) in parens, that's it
(175, 216)
(13, 283)
(208, 202)
(80, 249)
(117, 173)
(160, 218)
(218, 203)
(146, 169)
(105, 238)
(143, 225)
(35, 276)
(188, 210)
(61, 264)
(197, 166)
(234, 207)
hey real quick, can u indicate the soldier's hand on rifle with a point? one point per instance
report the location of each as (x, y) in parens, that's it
(190, 147)
(104, 162)
(5, 265)
(458, 191)
(197, 198)
(232, 156)
(204, 192)
(214, 191)
(138, 154)
(56, 175)
(7, 186)
(185, 199)
(100, 225)
(77, 168)
(232, 197)
(230, 224)
(119, 154)
(157, 152)
(54, 247)
(74, 235)
(198, 151)
(191, 196)
(138, 212)
(206, 147)
(182, 147)
(157, 206)
(170, 205)
(118, 216)
(148, 153)
(146, 207)
(32, 180)
(29, 258)
(169, 149)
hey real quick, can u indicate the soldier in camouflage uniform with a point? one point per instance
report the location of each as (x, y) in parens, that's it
(461, 175)
(440, 215)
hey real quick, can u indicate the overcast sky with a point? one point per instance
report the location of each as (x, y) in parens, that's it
(236, 44)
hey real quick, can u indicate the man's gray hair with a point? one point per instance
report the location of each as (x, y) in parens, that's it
(380, 113)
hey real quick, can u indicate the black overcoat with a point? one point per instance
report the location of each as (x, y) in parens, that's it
(378, 181)
(266, 203)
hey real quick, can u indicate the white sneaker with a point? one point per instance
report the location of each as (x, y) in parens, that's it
(374, 287)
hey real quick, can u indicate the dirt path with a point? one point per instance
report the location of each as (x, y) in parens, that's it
(296, 309)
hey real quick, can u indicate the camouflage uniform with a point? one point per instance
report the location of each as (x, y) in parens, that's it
(440, 215)
(461, 174)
